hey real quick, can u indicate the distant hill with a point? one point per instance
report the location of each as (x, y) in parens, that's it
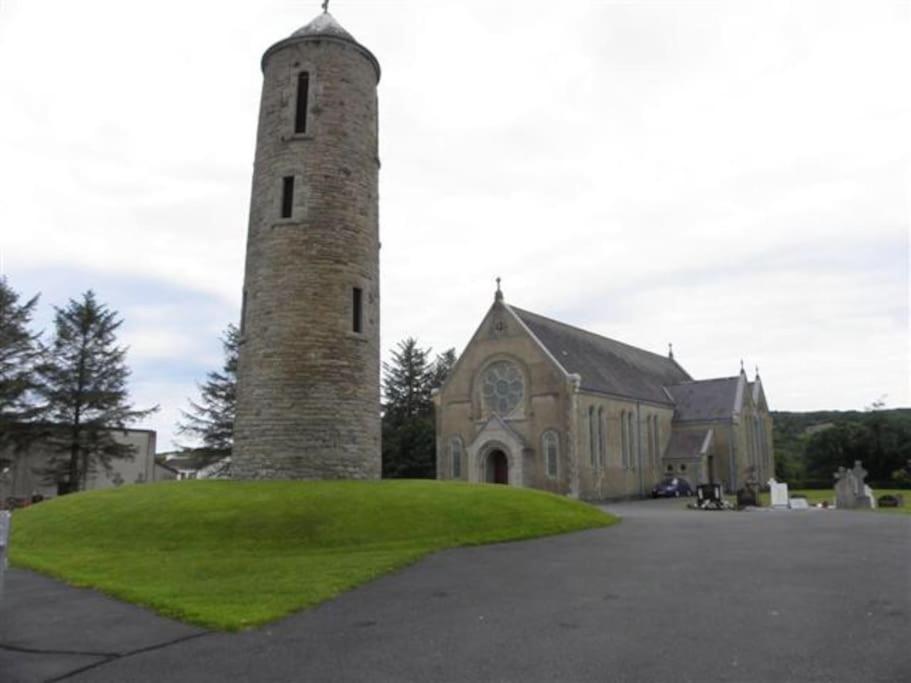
(878, 437)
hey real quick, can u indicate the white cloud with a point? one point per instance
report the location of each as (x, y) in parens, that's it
(651, 170)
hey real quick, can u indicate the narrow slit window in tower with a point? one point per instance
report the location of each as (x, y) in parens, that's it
(300, 114)
(357, 321)
(287, 196)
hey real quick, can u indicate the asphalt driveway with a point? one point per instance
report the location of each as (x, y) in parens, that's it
(667, 595)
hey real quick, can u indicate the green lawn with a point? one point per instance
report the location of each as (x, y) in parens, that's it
(231, 555)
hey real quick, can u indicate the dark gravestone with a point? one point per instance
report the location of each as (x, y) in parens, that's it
(709, 494)
(890, 501)
(749, 494)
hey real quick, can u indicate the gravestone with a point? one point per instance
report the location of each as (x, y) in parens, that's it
(845, 496)
(779, 494)
(5, 524)
(710, 496)
(850, 490)
(890, 501)
(868, 493)
(749, 494)
(799, 504)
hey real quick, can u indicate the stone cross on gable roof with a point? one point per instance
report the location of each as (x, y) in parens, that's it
(325, 5)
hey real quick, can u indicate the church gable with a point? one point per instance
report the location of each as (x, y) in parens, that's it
(758, 394)
(501, 336)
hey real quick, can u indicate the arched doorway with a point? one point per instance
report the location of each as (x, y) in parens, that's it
(497, 467)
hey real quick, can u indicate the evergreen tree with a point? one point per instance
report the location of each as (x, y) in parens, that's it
(408, 435)
(20, 351)
(211, 420)
(84, 386)
(409, 441)
(442, 366)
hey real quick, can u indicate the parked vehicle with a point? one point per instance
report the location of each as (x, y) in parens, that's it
(672, 487)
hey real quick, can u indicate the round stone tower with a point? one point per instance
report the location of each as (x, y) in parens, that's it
(308, 398)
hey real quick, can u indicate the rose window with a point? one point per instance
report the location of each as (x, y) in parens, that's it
(502, 387)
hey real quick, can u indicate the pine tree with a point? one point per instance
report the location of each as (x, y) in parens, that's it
(20, 350)
(408, 435)
(409, 448)
(442, 366)
(211, 420)
(84, 385)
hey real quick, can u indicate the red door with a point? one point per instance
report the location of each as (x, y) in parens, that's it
(500, 467)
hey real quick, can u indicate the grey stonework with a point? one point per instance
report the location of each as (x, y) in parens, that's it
(624, 417)
(308, 386)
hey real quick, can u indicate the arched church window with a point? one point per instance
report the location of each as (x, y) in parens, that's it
(600, 437)
(624, 439)
(591, 435)
(502, 387)
(630, 440)
(455, 456)
(657, 440)
(551, 448)
(648, 438)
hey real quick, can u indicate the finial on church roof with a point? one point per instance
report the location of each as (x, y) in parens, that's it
(498, 295)
(670, 350)
(757, 370)
(325, 6)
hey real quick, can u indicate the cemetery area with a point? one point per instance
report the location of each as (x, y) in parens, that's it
(819, 496)
(231, 555)
(850, 492)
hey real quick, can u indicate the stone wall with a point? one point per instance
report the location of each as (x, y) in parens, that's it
(610, 477)
(308, 384)
(25, 476)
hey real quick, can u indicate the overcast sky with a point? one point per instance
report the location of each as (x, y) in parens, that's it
(732, 177)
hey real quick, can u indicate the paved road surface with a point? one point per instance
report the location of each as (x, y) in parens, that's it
(667, 595)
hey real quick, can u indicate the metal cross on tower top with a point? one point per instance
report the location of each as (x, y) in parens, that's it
(325, 5)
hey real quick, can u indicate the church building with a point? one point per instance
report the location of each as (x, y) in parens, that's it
(537, 403)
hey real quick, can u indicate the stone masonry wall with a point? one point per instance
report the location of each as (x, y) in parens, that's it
(308, 385)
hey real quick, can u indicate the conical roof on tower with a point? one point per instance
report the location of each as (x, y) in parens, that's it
(323, 27)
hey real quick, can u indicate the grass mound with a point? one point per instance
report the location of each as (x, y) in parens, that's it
(231, 555)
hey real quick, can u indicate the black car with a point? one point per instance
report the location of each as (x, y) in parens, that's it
(672, 487)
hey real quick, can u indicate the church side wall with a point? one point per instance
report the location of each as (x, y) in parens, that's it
(609, 475)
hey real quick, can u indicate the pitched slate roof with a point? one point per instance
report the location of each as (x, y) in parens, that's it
(605, 365)
(709, 399)
(689, 444)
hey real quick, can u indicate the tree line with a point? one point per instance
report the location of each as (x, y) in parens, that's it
(810, 447)
(68, 390)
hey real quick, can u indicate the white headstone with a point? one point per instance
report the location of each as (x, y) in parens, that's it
(5, 524)
(779, 494)
(799, 504)
(868, 492)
